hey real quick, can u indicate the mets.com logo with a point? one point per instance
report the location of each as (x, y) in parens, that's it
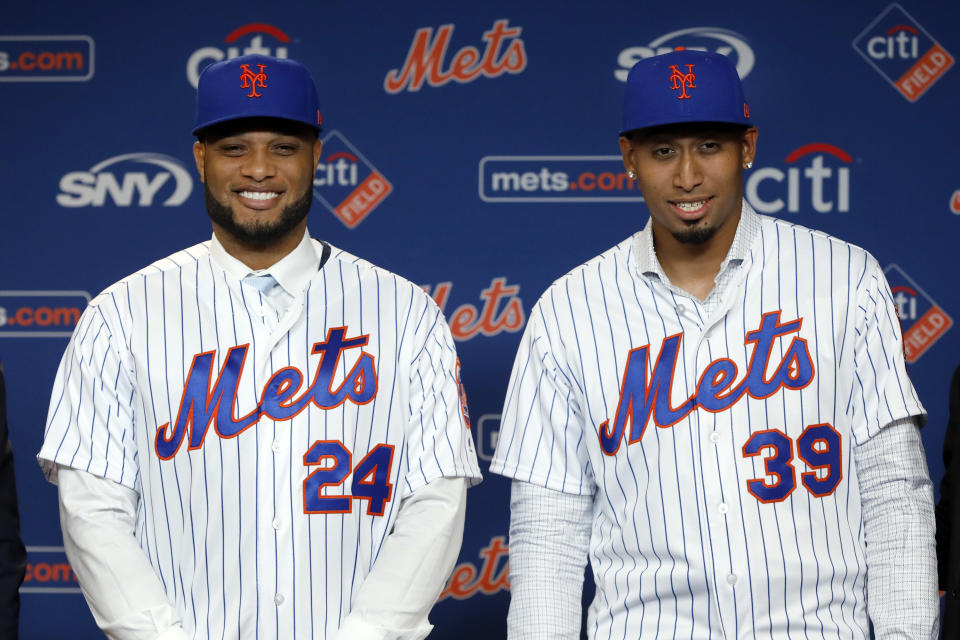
(131, 179)
(556, 179)
(903, 52)
(346, 183)
(48, 572)
(41, 314)
(46, 58)
(252, 35)
(714, 39)
(923, 321)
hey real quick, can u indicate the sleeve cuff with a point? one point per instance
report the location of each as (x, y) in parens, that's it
(174, 633)
(355, 628)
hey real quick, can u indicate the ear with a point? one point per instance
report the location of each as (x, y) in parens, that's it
(317, 148)
(626, 150)
(199, 153)
(749, 144)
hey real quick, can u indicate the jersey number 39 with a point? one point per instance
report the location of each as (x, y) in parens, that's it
(370, 478)
(819, 448)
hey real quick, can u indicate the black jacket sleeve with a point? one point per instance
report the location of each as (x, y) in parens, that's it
(13, 555)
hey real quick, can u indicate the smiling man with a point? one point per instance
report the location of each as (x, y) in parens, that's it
(715, 411)
(261, 435)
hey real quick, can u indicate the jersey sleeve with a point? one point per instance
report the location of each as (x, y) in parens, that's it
(541, 431)
(438, 430)
(89, 423)
(881, 391)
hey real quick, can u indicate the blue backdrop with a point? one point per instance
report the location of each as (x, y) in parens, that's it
(470, 148)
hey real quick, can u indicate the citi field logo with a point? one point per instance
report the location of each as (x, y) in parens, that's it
(818, 177)
(903, 52)
(555, 179)
(491, 576)
(501, 310)
(347, 184)
(48, 572)
(46, 58)
(503, 52)
(715, 39)
(129, 184)
(41, 314)
(254, 35)
(923, 321)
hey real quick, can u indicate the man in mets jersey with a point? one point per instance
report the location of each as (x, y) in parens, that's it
(260, 436)
(715, 410)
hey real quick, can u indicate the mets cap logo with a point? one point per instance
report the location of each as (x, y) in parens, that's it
(682, 81)
(251, 80)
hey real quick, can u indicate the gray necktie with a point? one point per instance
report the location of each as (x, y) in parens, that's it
(264, 283)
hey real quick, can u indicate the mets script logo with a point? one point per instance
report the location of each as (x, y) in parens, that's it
(682, 81)
(203, 403)
(643, 397)
(250, 80)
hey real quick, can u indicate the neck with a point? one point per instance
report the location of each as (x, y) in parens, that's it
(694, 267)
(260, 256)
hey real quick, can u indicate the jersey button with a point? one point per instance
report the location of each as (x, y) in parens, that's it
(277, 524)
(732, 579)
(278, 599)
(714, 437)
(275, 446)
(723, 508)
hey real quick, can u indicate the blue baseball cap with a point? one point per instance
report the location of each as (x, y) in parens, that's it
(683, 86)
(256, 86)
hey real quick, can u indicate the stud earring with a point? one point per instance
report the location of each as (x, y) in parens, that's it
(632, 175)
(749, 165)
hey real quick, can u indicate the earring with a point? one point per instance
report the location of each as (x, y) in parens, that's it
(632, 175)
(750, 165)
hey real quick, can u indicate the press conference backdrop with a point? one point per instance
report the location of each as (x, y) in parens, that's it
(472, 148)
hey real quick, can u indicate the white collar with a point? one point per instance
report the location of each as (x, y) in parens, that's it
(292, 272)
(747, 230)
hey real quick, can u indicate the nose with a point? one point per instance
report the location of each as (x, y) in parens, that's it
(258, 164)
(688, 174)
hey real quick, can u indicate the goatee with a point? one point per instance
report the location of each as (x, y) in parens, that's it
(259, 233)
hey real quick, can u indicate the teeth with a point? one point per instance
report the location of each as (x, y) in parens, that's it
(259, 195)
(691, 206)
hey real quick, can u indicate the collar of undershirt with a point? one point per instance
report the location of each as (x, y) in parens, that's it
(292, 272)
(747, 230)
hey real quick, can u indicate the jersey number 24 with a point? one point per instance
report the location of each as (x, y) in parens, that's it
(370, 478)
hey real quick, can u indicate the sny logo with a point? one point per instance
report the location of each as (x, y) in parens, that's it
(767, 198)
(903, 52)
(923, 320)
(682, 81)
(93, 187)
(425, 59)
(347, 184)
(207, 55)
(250, 80)
(722, 41)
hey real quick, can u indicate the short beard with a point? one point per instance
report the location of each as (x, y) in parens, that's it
(694, 235)
(260, 233)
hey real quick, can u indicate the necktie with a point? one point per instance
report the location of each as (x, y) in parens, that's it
(264, 284)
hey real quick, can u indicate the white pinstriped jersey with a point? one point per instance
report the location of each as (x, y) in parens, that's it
(717, 444)
(270, 457)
